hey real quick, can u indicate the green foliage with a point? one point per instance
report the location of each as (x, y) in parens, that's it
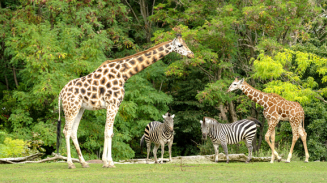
(12, 148)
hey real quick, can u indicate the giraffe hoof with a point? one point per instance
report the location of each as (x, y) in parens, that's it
(105, 166)
(111, 166)
(287, 161)
(279, 160)
(72, 166)
(306, 161)
(85, 165)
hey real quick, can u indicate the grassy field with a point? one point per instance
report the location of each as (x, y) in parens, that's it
(221, 172)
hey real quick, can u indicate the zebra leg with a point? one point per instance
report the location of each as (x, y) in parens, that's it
(162, 152)
(226, 152)
(250, 149)
(148, 148)
(155, 149)
(170, 143)
(216, 146)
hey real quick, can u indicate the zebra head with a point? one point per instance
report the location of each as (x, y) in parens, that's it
(169, 121)
(235, 85)
(205, 127)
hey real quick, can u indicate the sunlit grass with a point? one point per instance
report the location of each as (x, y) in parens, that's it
(296, 171)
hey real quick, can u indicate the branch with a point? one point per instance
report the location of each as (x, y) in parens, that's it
(132, 11)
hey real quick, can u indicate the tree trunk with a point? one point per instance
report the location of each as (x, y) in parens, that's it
(6, 79)
(232, 111)
(222, 114)
(15, 77)
(145, 15)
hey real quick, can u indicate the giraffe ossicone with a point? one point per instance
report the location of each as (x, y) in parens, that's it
(104, 89)
(276, 108)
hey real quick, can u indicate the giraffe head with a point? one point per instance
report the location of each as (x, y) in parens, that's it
(179, 46)
(205, 126)
(235, 85)
(169, 120)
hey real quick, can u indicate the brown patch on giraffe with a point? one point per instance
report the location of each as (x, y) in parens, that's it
(154, 52)
(94, 89)
(161, 49)
(99, 70)
(86, 98)
(105, 71)
(108, 85)
(117, 67)
(131, 73)
(83, 79)
(161, 55)
(93, 103)
(147, 62)
(250, 97)
(103, 80)
(102, 90)
(167, 51)
(89, 76)
(115, 82)
(113, 71)
(83, 91)
(125, 77)
(284, 115)
(88, 88)
(108, 94)
(246, 92)
(120, 83)
(260, 95)
(118, 75)
(94, 96)
(255, 94)
(265, 98)
(112, 64)
(116, 93)
(95, 82)
(254, 99)
(104, 66)
(154, 59)
(115, 88)
(86, 85)
(70, 83)
(70, 89)
(148, 54)
(97, 76)
(132, 62)
(140, 59)
(169, 48)
(111, 76)
(89, 81)
(69, 94)
(136, 69)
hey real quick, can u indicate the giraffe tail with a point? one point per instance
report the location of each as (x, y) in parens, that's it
(58, 126)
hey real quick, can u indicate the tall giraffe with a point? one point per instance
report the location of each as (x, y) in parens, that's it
(276, 108)
(104, 89)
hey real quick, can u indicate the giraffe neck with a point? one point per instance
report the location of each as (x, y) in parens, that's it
(131, 65)
(255, 95)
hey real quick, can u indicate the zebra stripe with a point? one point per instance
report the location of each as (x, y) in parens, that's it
(160, 134)
(232, 133)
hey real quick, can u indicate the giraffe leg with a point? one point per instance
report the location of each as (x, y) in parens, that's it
(108, 134)
(148, 148)
(67, 131)
(74, 138)
(155, 149)
(273, 142)
(271, 129)
(303, 136)
(216, 147)
(295, 137)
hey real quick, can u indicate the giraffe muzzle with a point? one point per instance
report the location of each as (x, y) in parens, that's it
(190, 55)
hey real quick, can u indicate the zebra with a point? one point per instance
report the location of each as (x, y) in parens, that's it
(159, 134)
(231, 133)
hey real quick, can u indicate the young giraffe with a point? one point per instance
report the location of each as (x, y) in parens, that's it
(276, 108)
(104, 89)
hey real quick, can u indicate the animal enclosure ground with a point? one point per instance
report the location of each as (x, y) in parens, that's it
(221, 172)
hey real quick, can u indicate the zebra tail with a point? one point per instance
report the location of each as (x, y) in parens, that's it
(259, 124)
(58, 127)
(142, 141)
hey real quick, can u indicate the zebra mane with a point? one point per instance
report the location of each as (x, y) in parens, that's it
(204, 119)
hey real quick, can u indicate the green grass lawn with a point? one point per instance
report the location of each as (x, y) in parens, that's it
(221, 172)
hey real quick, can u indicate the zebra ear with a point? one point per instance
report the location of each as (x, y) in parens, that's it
(173, 116)
(164, 116)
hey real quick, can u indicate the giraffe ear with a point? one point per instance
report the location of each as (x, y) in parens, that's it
(173, 116)
(242, 80)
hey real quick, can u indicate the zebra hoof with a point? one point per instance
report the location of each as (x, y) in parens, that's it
(287, 161)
